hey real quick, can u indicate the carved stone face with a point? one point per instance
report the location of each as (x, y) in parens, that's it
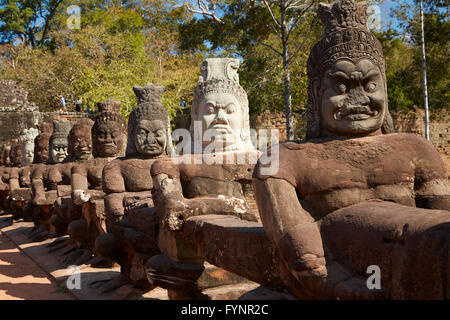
(82, 146)
(109, 139)
(29, 152)
(41, 151)
(222, 113)
(150, 138)
(58, 150)
(352, 98)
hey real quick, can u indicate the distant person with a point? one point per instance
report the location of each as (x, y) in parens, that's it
(63, 103)
(78, 104)
(183, 104)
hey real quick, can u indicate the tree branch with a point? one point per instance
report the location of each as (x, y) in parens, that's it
(297, 18)
(278, 23)
(270, 47)
(204, 10)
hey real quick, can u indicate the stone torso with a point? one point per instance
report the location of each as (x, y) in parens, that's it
(131, 175)
(330, 175)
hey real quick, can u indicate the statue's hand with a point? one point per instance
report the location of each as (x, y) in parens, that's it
(79, 197)
(317, 271)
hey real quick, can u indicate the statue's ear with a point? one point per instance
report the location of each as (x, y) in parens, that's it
(315, 88)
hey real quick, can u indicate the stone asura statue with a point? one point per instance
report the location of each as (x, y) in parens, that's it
(220, 112)
(45, 178)
(109, 137)
(4, 178)
(28, 136)
(190, 188)
(355, 196)
(131, 223)
(41, 143)
(20, 177)
(79, 149)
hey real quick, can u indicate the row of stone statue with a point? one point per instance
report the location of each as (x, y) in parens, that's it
(352, 196)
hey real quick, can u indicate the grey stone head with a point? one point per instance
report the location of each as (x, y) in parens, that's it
(28, 136)
(221, 104)
(149, 133)
(347, 94)
(58, 146)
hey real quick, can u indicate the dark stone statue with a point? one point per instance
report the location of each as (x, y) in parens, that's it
(355, 197)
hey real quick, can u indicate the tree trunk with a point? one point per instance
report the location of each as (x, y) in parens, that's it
(287, 76)
(424, 70)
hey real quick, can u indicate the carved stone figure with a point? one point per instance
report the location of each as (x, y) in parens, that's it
(109, 136)
(41, 143)
(28, 136)
(47, 177)
(16, 153)
(198, 186)
(4, 178)
(20, 177)
(131, 224)
(350, 196)
(220, 106)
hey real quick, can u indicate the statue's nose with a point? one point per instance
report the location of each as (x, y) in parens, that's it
(358, 97)
(221, 117)
(151, 138)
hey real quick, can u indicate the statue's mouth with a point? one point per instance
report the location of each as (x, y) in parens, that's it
(222, 129)
(109, 146)
(355, 113)
(151, 148)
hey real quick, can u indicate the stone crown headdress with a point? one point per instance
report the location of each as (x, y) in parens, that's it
(150, 108)
(220, 75)
(61, 129)
(108, 112)
(345, 35)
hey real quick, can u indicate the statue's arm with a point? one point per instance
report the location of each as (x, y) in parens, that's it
(297, 236)
(14, 179)
(37, 185)
(174, 209)
(79, 183)
(431, 179)
(25, 177)
(112, 179)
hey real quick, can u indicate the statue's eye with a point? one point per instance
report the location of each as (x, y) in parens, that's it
(231, 109)
(210, 110)
(342, 88)
(370, 87)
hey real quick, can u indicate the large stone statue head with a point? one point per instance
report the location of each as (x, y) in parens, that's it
(41, 143)
(221, 104)
(347, 94)
(109, 133)
(80, 140)
(28, 136)
(149, 124)
(58, 141)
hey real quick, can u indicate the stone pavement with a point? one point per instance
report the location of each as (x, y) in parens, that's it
(22, 279)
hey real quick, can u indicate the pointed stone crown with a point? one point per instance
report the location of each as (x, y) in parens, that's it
(150, 108)
(220, 75)
(149, 103)
(61, 129)
(109, 111)
(345, 35)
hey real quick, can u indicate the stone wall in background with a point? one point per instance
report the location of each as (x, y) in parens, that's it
(13, 97)
(12, 122)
